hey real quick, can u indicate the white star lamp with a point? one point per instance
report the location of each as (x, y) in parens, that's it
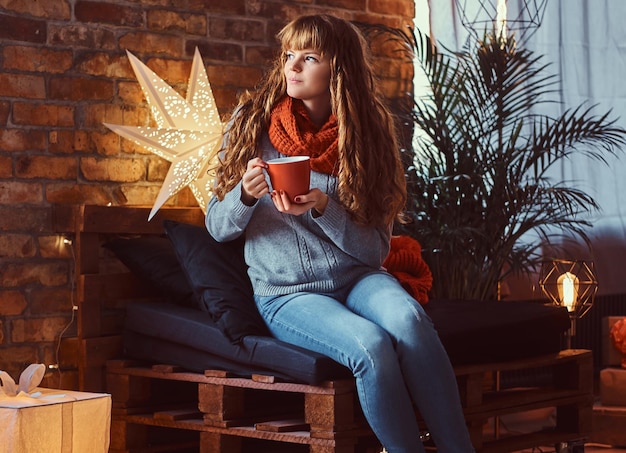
(188, 132)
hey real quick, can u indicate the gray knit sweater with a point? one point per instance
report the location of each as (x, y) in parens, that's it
(287, 253)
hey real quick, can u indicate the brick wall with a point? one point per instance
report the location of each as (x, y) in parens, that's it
(63, 72)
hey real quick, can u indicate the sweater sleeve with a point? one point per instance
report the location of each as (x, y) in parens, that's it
(367, 244)
(227, 219)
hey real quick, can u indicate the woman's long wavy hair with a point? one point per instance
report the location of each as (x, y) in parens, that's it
(371, 183)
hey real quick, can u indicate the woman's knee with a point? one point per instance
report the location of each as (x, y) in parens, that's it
(373, 347)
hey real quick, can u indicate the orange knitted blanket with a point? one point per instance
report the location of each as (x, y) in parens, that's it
(406, 264)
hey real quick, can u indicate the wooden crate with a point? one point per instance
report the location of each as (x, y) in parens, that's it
(608, 425)
(229, 411)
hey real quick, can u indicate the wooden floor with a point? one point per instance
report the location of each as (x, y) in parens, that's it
(543, 418)
(589, 448)
(603, 448)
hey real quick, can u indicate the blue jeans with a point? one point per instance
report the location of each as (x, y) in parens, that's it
(387, 340)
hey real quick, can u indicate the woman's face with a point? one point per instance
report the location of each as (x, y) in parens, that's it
(307, 74)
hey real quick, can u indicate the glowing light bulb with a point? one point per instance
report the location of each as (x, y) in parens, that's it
(501, 19)
(568, 290)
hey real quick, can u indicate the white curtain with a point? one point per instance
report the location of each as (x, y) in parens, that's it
(585, 43)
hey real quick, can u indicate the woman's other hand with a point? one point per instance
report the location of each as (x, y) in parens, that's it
(253, 183)
(315, 199)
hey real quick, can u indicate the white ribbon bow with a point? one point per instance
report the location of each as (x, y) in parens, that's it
(30, 379)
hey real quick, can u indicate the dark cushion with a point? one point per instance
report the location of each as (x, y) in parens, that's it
(152, 258)
(474, 331)
(189, 338)
(218, 275)
(471, 331)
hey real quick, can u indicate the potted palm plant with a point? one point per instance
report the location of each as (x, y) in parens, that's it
(481, 201)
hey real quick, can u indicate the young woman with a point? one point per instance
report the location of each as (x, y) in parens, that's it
(315, 261)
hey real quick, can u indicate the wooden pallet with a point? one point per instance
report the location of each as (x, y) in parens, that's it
(164, 409)
(230, 413)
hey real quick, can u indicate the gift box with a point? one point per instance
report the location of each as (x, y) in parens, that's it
(611, 356)
(613, 387)
(55, 421)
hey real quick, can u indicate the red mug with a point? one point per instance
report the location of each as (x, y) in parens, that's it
(290, 174)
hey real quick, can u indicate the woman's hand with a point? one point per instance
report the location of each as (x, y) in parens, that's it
(253, 183)
(315, 199)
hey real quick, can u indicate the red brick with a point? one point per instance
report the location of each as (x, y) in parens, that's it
(43, 114)
(185, 198)
(62, 141)
(35, 59)
(34, 219)
(214, 51)
(50, 301)
(233, 7)
(97, 114)
(82, 36)
(22, 140)
(157, 169)
(104, 64)
(5, 108)
(107, 144)
(140, 195)
(143, 42)
(13, 303)
(80, 194)
(46, 167)
(20, 192)
(170, 3)
(225, 75)
(237, 29)
(49, 9)
(66, 378)
(226, 100)
(108, 13)
(17, 246)
(283, 12)
(130, 93)
(259, 55)
(22, 29)
(21, 273)
(173, 72)
(193, 24)
(22, 86)
(119, 170)
(37, 329)
(357, 5)
(392, 7)
(6, 167)
(15, 359)
(80, 89)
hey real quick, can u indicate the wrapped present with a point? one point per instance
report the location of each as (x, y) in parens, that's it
(613, 387)
(34, 419)
(611, 355)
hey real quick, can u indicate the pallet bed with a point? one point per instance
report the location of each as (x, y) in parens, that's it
(166, 407)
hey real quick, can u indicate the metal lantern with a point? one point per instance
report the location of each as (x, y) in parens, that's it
(571, 284)
(519, 18)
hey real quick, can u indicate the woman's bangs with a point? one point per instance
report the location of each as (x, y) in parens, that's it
(306, 36)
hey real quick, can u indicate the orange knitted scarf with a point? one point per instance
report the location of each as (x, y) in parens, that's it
(293, 133)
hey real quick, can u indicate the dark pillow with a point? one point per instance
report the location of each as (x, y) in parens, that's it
(218, 275)
(153, 259)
